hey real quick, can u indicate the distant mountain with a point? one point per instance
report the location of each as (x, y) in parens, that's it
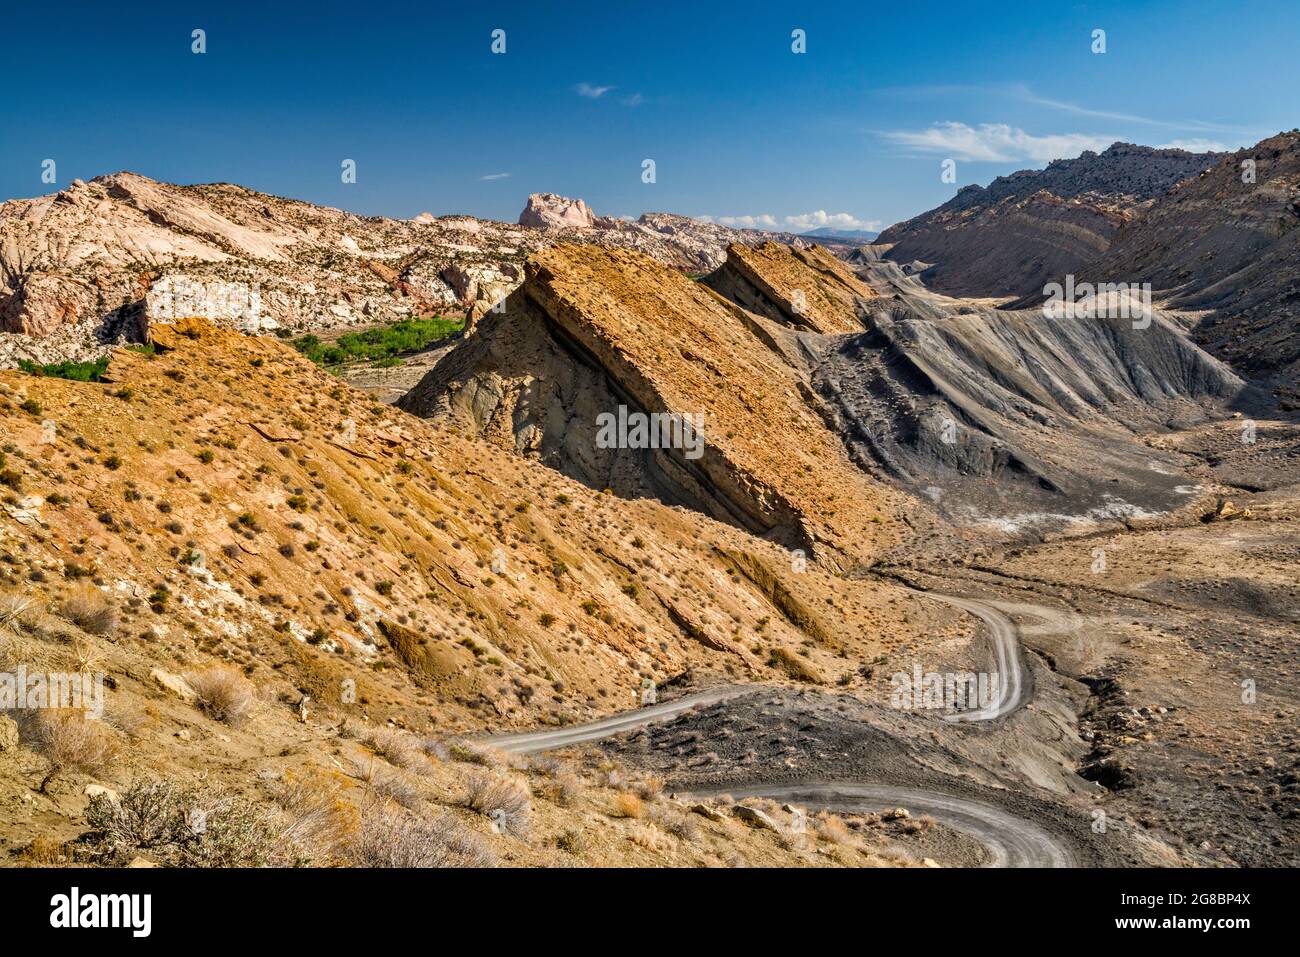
(1227, 241)
(1011, 237)
(826, 232)
(99, 260)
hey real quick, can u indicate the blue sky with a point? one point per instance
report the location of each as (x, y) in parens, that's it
(741, 128)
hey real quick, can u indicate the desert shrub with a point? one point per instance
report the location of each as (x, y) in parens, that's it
(396, 747)
(76, 371)
(67, 739)
(186, 827)
(90, 610)
(391, 838)
(504, 800)
(320, 820)
(18, 612)
(223, 694)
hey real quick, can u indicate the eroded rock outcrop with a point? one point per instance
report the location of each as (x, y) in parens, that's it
(592, 330)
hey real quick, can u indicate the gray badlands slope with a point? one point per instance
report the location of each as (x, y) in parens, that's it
(979, 408)
(98, 261)
(1009, 238)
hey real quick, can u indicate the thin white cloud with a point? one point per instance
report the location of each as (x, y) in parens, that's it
(591, 92)
(997, 142)
(822, 219)
(492, 176)
(1195, 146)
(636, 99)
(761, 221)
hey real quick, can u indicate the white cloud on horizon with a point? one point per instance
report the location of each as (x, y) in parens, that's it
(822, 219)
(761, 221)
(592, 92)
(801, 223)
(997, 142)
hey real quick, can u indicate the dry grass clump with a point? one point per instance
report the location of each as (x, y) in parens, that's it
(564, 789)
(629, 805)
(396, 747)
(223, 694)
(832, 829)
(503, 800)
(320, 818)
(572, 841)
(679, 825)
(389, 838)
(479, 754)
(388, 784)
(648, 788)
(67, 739)
(90, 610)
(917, 825)
(647, 836)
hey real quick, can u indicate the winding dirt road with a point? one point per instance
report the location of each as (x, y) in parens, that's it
(1011, 841)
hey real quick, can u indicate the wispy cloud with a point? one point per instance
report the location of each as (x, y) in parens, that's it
(591, 92)
(822, 219)
(491, 176)
(1022, 93)
(636, 99)
(997, 142)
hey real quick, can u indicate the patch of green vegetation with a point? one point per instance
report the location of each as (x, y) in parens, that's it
(382, 346)
(76, 371)
(144, 348)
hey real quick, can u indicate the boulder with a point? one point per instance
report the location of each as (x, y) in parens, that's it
(754, 817)
(174, 684)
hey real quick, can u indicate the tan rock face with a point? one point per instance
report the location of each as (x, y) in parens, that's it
(549, 211)
(596, 332)
(802, 288)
